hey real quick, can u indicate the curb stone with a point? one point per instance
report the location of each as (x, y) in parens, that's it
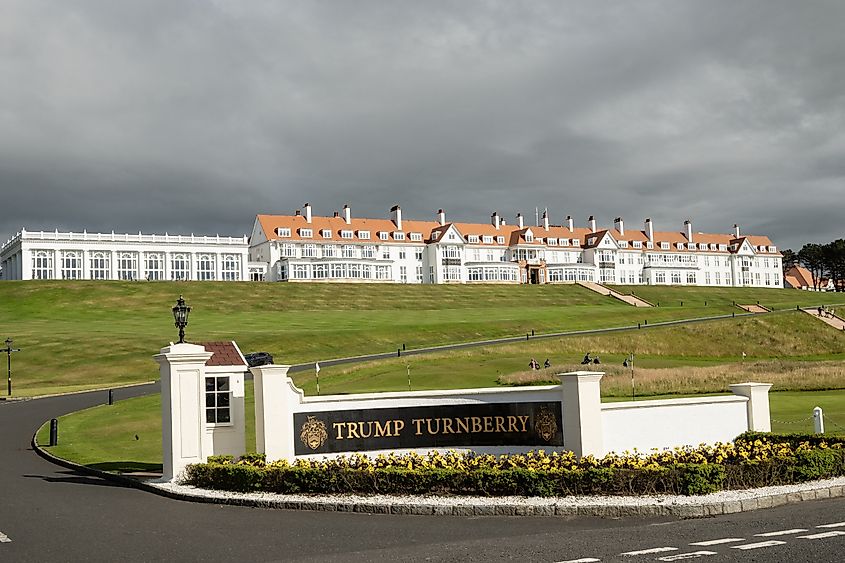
(603, 507)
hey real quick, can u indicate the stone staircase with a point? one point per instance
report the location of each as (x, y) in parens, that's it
(754, 308)
(835, 321)
(629, 299)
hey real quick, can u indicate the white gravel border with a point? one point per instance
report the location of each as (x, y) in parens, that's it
(725, 502)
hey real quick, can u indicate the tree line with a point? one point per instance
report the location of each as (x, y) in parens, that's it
(824, 261)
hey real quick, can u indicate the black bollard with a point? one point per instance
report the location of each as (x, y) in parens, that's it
(705, 303)
(111, 396)
(646, 322)
(682, 303)
(733, 314)
(658, 303)
(403, 346)
(639, 326)
(532, 332)
(399, 352)
(54, 432)
(527, 336)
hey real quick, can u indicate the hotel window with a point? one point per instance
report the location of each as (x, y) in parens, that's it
(382, 272)
(416, 237)
(452, 273)
(660, 277)
(487, 239)
(576, 242)
(500, 239)
(329, 251)
(42, 265)
(364, 235)
(346, 234)
(491, 255)
(320, 271)
(383, 235)
(552, 242)
(451, 252)
(623, 244)
(419, 274)
(773, 249)
(431, 274)
(649, 245)
(71, 265)
(127, 266)
(564, 242)
(218, 399)
(306, 233)
(723, 247)
(638, 244)
(309, 251)
(403, 274)
(153, 266)
(398, 236)
(402, 252)
(385, 253)
(283, 232)
(664, 245)
(180, 267)
(691, 278)
(676, 278)
(300, 271)
(327, 233)
(288, 250)
(205, 267)
(347, 251)
(472, 239)
(368, 252)
(231, 267)
(354, 270)
(99, 265)
(418, 254)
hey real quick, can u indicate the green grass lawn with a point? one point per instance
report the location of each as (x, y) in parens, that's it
(104, 437)
(86, 334)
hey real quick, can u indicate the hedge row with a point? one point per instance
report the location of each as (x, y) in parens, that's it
(804, 464)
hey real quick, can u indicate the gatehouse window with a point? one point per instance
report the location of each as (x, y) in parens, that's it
(71, 265)
(218, 400)
(42, 265)
(154, 266)
(127, 266)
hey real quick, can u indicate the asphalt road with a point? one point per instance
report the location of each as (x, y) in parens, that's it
(48, 513)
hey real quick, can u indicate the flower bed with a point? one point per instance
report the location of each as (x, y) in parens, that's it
(752, 460)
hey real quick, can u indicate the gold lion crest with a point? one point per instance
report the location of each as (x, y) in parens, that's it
(313, 433)
(546, 425)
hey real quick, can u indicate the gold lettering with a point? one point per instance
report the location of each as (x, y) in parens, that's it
(462, 422)
(338, 426)
(398, 425)
(418, 422)
(369, 424)
(500, 424)
(436, 428)
(512, 424)
(352, 430)
(523, 418)
(476, 424)
(382, 430)
(488, 423)
(447, 426)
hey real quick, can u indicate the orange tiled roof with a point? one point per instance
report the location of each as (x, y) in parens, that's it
(225, 354)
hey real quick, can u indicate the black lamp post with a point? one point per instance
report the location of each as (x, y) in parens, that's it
(180, 315)
(9, 351)
(629, 363)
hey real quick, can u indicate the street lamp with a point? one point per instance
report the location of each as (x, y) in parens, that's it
(180, 315)
(629, 362)
(9, 351)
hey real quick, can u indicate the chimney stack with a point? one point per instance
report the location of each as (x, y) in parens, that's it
(396, 212)
(592, 222)
(649, 230)
(546, 220)
(307, 208)
(519, 220)
(336, 214)
(688, 228)
(736, 231)
(620, 226)
(297, 213)
(570, 223)
(441, 217)
(495, 219)
(347, 214)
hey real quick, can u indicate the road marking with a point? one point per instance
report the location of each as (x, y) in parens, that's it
(648, 551)
(781, 533)
(584, 560)
(4, 538)
(691, 555)
(836, 525)
(718, 542)
(758, 545)
(824, 535)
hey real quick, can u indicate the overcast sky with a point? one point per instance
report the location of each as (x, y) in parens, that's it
(193, 116)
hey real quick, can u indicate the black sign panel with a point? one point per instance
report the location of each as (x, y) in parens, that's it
(451, 261)
(441, 426)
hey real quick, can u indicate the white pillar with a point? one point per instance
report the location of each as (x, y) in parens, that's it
(582, 427)
(818, 420)
(275, 400)
(759, 419)
(183, 436)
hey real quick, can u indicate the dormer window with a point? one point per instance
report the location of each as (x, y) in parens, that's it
(723, 247)
(327, 233)
(364, 235)
(487, 239)
(702, 246)
(564, 242)
(591, 241)
(529, 237)
(416, 237)
(664, 246)
(638, 244)
(398, 236)
(346, 234)
(576, 242)
(679, 245)
(283, 232)
(623, 244)
(382, 235)
(552, 241)
(306, 233)
(649, 245)
(472, 239)
(773, 249)
(500, 239)
(435, 235)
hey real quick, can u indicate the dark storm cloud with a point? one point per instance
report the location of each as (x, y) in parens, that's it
(193, 116)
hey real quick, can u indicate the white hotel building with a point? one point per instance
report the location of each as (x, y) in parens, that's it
(54, 255)
(308, 248)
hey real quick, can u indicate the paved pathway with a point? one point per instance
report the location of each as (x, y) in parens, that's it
(626, 298)
(835, 321)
